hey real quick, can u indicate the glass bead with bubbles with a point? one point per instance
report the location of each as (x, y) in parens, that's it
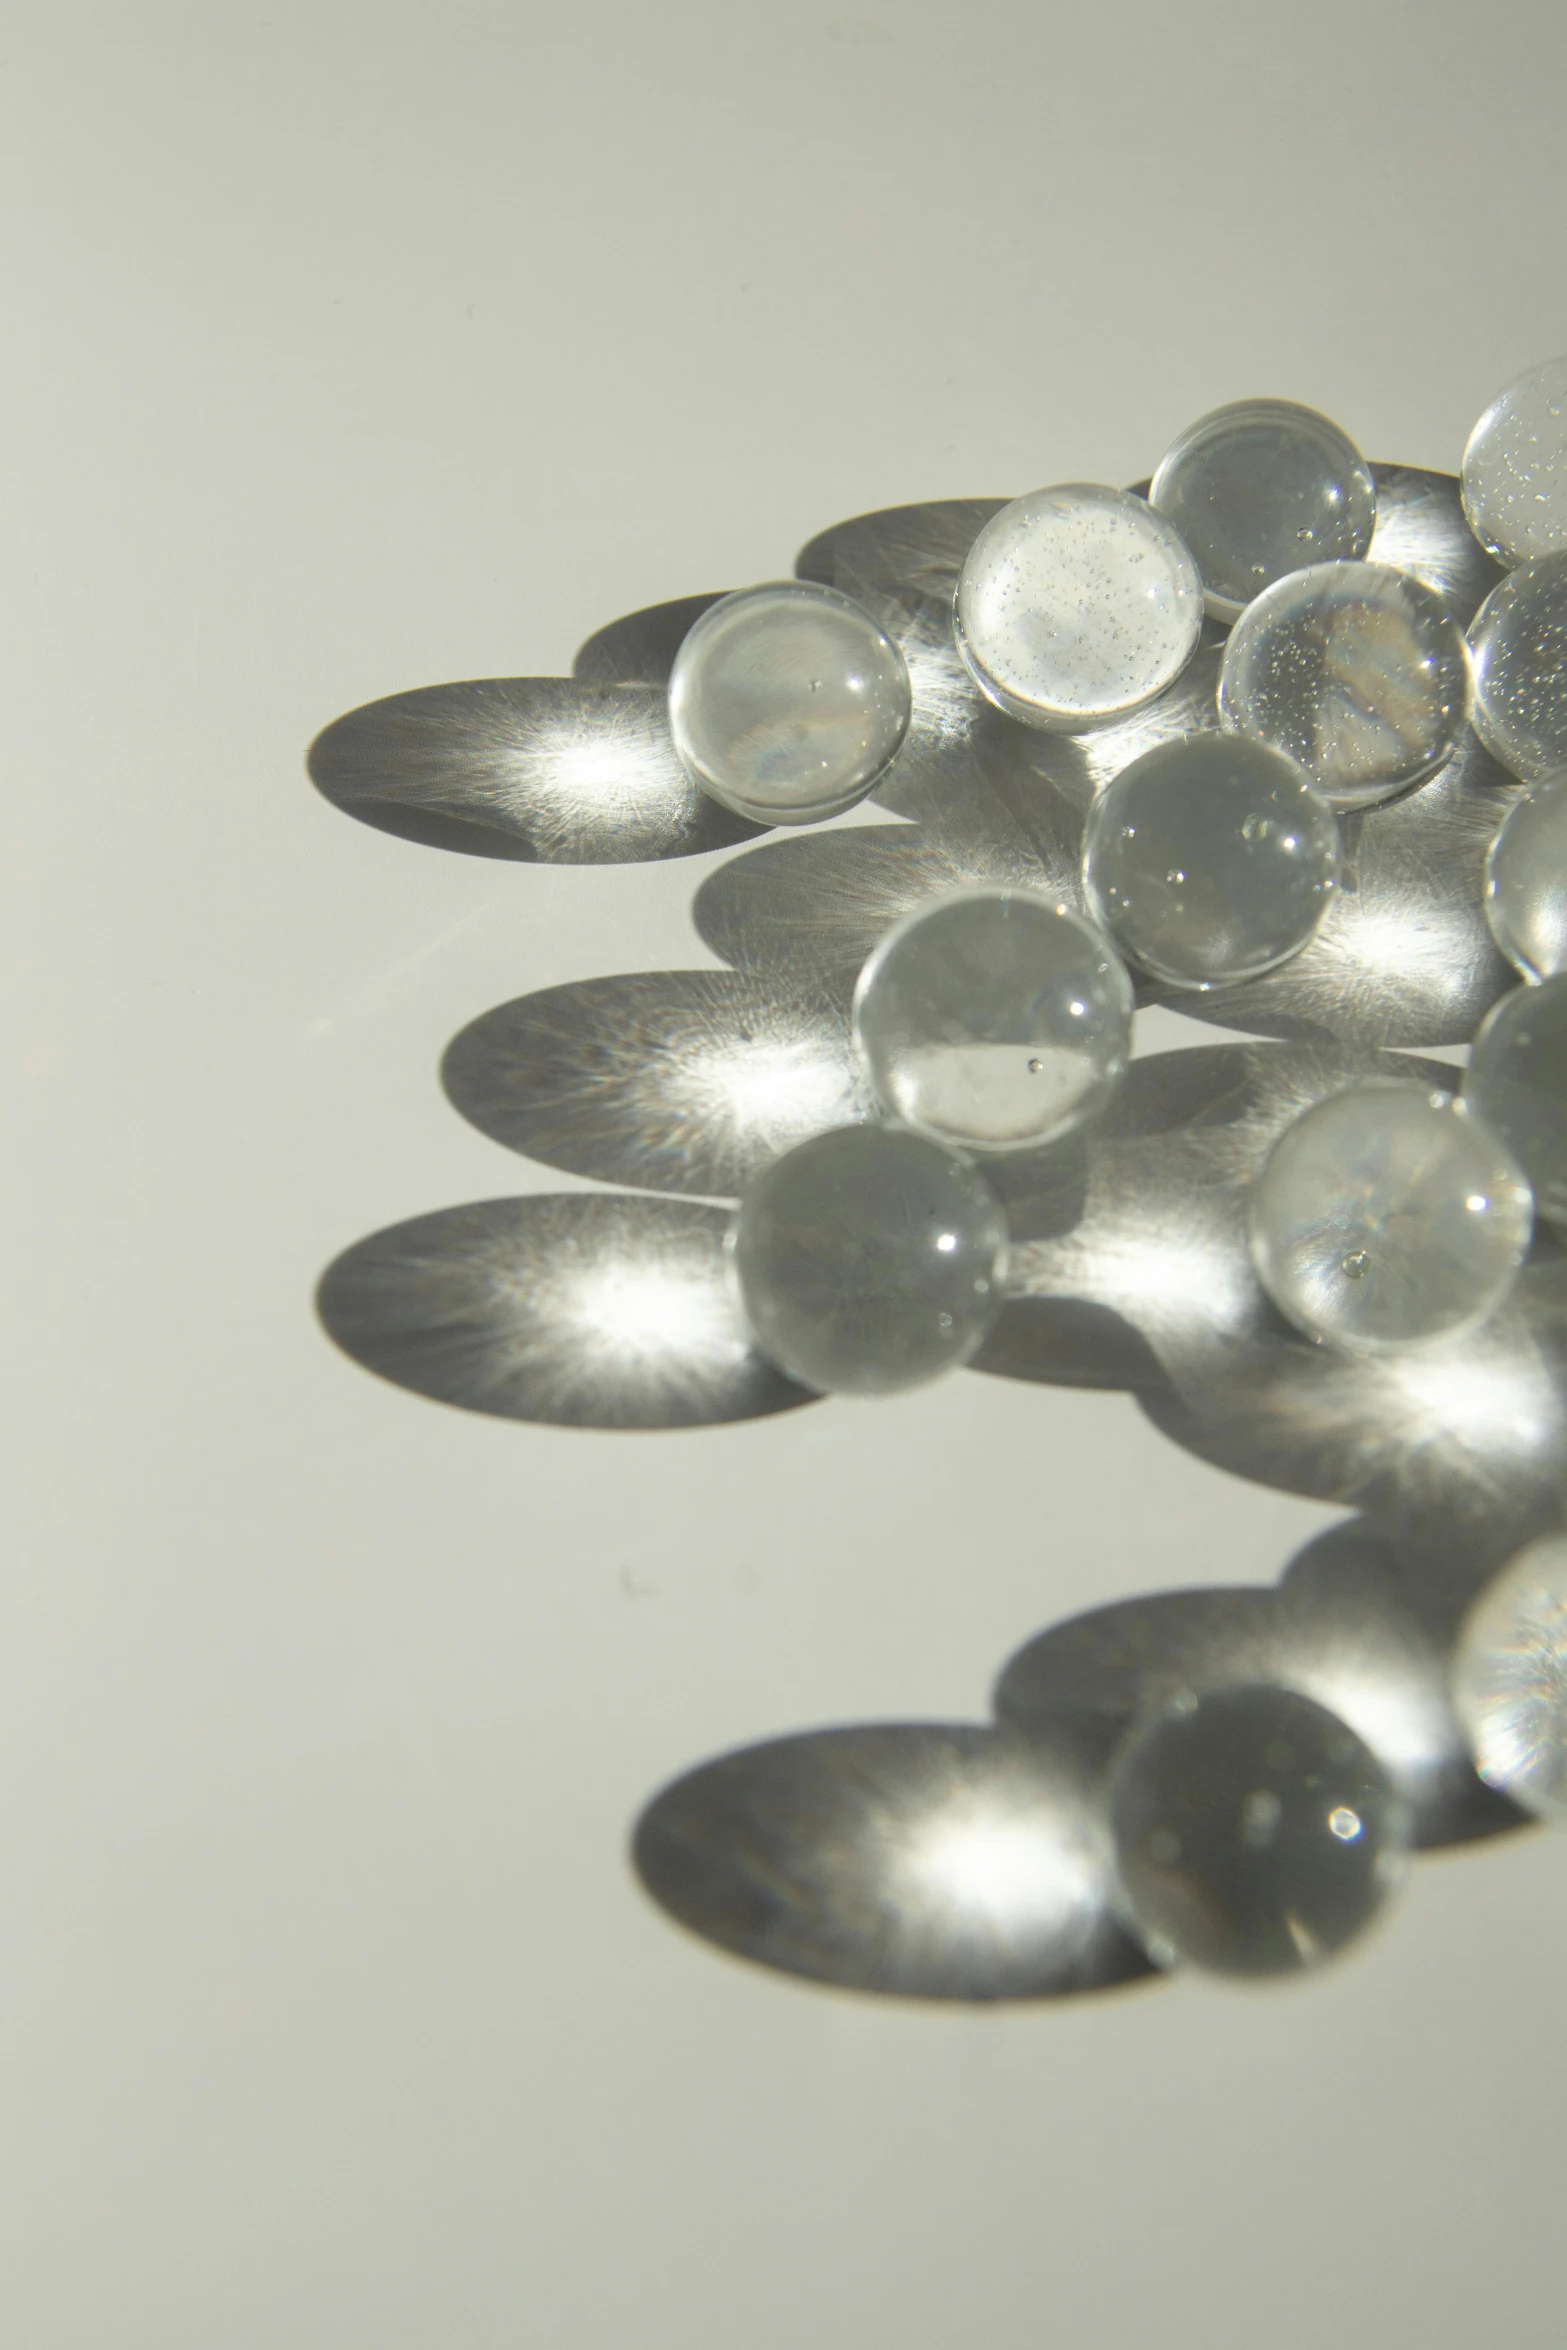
(1210, 859)
(1388, 1215)
(1075, 605)
(1354, 670)
(1515, 467)
(1260, 488)
(1510, 1679)
(994, 1019)
(1526, 881)
(1518, 643)
(787, 702)
(1517, 1082)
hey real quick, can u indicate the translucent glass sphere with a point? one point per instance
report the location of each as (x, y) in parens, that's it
(1075, 605)
(1526, 881)
(868, 1259)
(1254, 1833)
(994, 1019)
(1387, 1215)
(1210, 859)
(1517, 1082)
(1257, 489)
(1518, 643)
(1356, 671)
(786, 702)
(1510, 1679)
(1515, 467)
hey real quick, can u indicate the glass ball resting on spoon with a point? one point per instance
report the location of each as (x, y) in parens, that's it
(1510, 1679)
(1526, 881)
(1210, 859)
(1354, 670)
(1076, 605)
(1259, 488)
(1515, 468)
(868, 1259)
(993, 1019)
(1518, 645)
(787, 702)
(1517, 1082)
(1388, 1215)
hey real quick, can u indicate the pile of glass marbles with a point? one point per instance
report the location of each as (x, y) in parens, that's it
(995, 1020)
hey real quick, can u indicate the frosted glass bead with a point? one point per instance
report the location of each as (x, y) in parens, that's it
(1518, 643)
(1255, 1834)
(1210, 859)
(994, 1019)
(786, 702)
(1257, 489)
(868, 1259)
(1075, 605)
(1387, 1215)
(1517, 1082)
(1515, 467)
(1510, 1679)
(1526, 881)
(1356, 671)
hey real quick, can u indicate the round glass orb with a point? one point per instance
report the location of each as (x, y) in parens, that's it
(1076, 605)
(994, 1019)
(1356, 671)
(1388, 1215)
(868, 1259)
(1260, 487)
(1515, 467)
(1255, 1834)
(786, 702)
(1210, 859)
(1510, 1679)
(1518, 644)
(1526, 881)
(1517, 1082)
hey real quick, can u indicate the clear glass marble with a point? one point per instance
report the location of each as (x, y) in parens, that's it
(786, 702)
(1255, 1834)
(1518, 645)
(868, 1259)
(1517, 1082)
(1510, 1679)
(994, 1019)
(1515, 467)
(1075, 605)
(1210, 859)
(1387, 1215)
(1526, 881)
(1259, 488)
(1356, 671)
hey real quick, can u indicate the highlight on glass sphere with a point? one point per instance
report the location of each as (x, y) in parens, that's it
(1354, 670)
(1515, 468)
(1388, 1215)
(1510, 1679)
(1210, 859)
(1076, 605)
(787, 702)
(1517, 1082)
(868, 1259)
(993, 1019)
(1259, 488)
(1526, 881)
(1518, 645)
(1255, 1833)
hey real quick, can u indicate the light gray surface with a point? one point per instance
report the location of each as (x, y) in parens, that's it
(352, 349)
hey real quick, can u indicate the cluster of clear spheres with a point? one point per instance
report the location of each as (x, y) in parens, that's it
(1510, 1679)
(1260, 488)
(1526, 881)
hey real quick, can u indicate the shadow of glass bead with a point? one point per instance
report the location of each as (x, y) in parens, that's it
(995, 1020)
(1356, 671)
(868, 1260)
(1510, 1679)
(1386, 1215)
(786, 702)
(1526, 881)
(1515, 467)
(1259, 488)
(1075, 605)
(1518, 644)
(1517, 1082)
(1255, 1833)
(1210, 860)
